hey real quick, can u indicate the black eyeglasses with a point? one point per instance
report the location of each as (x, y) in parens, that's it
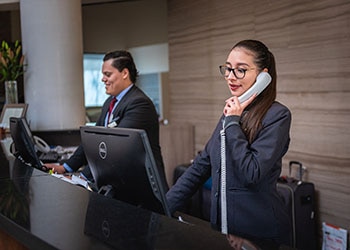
(239, 73)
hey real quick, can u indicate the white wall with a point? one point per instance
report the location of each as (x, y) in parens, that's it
(152, 58)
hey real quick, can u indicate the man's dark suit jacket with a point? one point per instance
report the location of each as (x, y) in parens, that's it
(135, 110)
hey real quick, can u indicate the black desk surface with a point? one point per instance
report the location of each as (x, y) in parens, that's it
(44, 212)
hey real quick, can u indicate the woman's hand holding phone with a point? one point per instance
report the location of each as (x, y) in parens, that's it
(234, 107)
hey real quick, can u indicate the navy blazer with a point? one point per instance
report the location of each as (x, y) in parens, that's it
(135, 110)
(254, 208)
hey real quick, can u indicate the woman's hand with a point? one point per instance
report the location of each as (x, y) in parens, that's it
(59, 169)
(238, 243)
(235, 241)
(234, 107)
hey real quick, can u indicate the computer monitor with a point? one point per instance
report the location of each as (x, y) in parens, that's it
(122, 160)
(24, 142)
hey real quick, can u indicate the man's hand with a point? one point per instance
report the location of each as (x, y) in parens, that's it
(56, 168)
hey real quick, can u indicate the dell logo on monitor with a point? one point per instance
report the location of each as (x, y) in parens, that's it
(102, 150)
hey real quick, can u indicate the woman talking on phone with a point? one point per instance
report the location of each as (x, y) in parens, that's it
(244, 154)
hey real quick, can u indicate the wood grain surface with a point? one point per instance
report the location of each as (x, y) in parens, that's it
(311, 44)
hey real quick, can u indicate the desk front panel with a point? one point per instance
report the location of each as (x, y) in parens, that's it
(44, 212)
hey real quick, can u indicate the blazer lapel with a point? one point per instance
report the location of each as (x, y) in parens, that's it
(122, 102)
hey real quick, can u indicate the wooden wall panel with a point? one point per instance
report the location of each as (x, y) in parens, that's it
(311, 43)
(177, 145)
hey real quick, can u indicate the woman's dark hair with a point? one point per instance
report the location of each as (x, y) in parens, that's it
(263, 58)
(122, 59)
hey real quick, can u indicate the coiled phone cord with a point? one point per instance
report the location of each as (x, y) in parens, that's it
(223, 200)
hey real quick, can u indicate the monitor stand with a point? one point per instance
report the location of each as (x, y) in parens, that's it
(106, 190)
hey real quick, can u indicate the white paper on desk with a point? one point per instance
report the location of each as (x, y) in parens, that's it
(73, 180)
(334, 238)
(80, 181)
(67, 152)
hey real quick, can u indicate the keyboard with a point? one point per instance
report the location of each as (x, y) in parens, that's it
(49, 157)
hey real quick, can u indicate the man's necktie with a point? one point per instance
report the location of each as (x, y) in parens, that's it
(111, 105)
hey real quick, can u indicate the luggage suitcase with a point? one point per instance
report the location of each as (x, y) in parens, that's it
(299, 198)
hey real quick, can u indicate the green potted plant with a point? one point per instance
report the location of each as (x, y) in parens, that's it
(11, 67)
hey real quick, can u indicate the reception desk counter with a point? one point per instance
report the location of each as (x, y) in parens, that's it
(40, 211)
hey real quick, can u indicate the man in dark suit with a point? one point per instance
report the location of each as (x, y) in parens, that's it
(130, 108)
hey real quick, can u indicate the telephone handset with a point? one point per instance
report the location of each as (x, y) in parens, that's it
(262, 81)
(41, 145)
